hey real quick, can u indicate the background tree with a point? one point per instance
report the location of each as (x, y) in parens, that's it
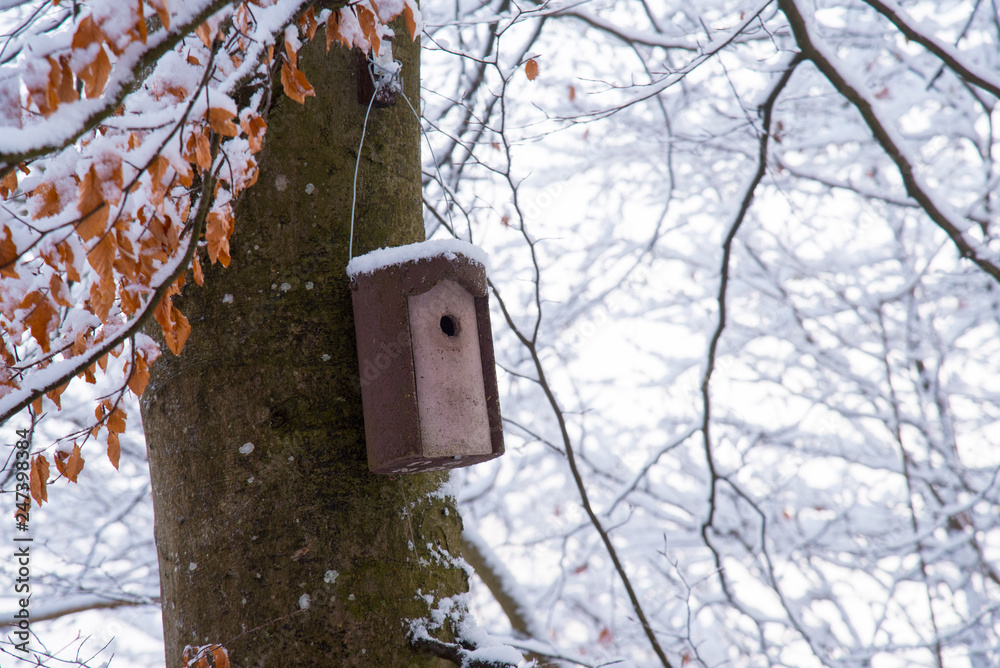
(746, 253)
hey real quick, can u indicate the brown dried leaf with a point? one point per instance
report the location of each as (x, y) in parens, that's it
(199, 149)
(9, 183)
(138, 30)
(95, 75)
(39, 479)
(206, 656)
(333, 30)
(368, 27)
(182, 328)
(114, 449)
(87, 33)
(66, 254)
(116, 420)
(58, 291)
(217, 233)
(205, 33)
(69, 464)
(129, 300)
(8, 255)
(111, 171)
(138, 377)
(102, 297)
(40, 315)
(45, 94)
(66, 91)
(221, 120)
(176, 91)
(307, 22)
(102, 257)
(295, 84)
(56, 394)
(160, 7)
(157, 170)
(411, 22)
(174, 325)
(91, 206)
(255, 127)
(531, 69)
(252, 173)
(199, 275)
(220, 656)
(50, 205)
(164, 316)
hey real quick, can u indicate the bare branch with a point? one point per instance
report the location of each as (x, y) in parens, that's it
(887, 138)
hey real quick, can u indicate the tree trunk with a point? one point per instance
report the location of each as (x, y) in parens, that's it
(273, 537)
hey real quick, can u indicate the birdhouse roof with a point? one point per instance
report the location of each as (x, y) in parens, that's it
(426, 250)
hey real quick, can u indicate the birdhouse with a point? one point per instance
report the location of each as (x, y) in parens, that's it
(425, 355)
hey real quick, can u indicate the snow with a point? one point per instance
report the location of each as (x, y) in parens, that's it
(499, 654)
(509, 582)
(425, 250)
(454, 609)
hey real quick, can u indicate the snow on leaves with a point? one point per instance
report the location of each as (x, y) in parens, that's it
(206, 656)
(122, 150)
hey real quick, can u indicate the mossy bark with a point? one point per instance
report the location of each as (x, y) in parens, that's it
(288, 551)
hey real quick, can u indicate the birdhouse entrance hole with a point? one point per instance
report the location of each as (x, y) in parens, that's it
(448, 325)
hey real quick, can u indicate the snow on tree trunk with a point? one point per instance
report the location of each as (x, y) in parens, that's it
(273, 537)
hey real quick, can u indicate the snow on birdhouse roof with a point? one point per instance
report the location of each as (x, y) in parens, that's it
(425, 250)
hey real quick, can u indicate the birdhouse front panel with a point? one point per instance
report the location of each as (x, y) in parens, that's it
(449, 372)
(425, 356)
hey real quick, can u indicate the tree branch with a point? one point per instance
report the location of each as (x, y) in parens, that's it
(578, 477)
(115, 94)
(456, 654)
(886, 137)
(970, 73)
(75, 606)
(68, 368)
(766, 109)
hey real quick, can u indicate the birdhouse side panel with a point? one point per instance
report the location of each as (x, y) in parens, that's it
(385, 366)
(489, 374)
